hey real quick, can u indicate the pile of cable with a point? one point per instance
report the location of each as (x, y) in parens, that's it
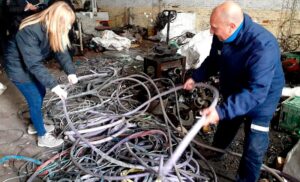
(137, 156)
(111, 136)
(105, 121)
(288, 38)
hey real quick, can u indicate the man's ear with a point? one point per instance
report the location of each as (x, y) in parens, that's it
(232, 26)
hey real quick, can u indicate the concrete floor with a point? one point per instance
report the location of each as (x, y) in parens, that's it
(14, 139)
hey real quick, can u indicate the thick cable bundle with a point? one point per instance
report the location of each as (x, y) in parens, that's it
(113, 136)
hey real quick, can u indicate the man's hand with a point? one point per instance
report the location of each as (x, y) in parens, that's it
(189, 84)
(212, 116)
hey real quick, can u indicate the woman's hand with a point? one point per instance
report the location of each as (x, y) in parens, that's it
(72, 78)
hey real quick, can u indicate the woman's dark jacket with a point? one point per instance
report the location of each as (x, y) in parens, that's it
(26, 53)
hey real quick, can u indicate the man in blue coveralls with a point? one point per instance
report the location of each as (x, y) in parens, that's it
(247, 57)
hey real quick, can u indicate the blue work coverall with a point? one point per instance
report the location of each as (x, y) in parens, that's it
(251, 82)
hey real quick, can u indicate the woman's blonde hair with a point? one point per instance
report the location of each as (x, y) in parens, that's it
(58, 19)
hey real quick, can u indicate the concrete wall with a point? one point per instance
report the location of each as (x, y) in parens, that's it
(140, 12)
(261, 4)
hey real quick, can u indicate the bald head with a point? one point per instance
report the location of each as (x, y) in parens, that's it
(225, 19)
(228, 11)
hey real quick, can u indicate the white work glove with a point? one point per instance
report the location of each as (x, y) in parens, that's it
(72, 78)
(62, 94)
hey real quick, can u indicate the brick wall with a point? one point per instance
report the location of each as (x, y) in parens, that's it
(270, 19)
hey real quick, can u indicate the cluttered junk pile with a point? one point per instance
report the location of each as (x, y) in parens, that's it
(137, 127)
(112, 134)
(125, 128)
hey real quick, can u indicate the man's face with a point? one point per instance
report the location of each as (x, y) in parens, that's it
(220, 28)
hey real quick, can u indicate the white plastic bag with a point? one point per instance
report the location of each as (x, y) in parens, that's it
(112, 41)
(184, 22)
(197, 49)
(2, 88)
(291, 165)
(291, 91)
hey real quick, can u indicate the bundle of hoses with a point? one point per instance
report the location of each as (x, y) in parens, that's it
(115, 138)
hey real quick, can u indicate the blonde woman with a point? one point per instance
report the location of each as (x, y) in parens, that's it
(40, 35)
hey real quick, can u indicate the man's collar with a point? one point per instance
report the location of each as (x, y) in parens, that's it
(234, 35)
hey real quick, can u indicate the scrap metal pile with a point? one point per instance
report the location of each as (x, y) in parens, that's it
(111, 136)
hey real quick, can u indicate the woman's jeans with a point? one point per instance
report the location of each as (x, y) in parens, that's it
(34, 93)
(255, 143)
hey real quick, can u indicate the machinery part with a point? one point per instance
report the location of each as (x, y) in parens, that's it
(166, 62)
(162, 20)
(171, 162)
(186, 114)
(171, 15)
(201, 99)
(166, 49)
(174, 74)
(169, 67)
